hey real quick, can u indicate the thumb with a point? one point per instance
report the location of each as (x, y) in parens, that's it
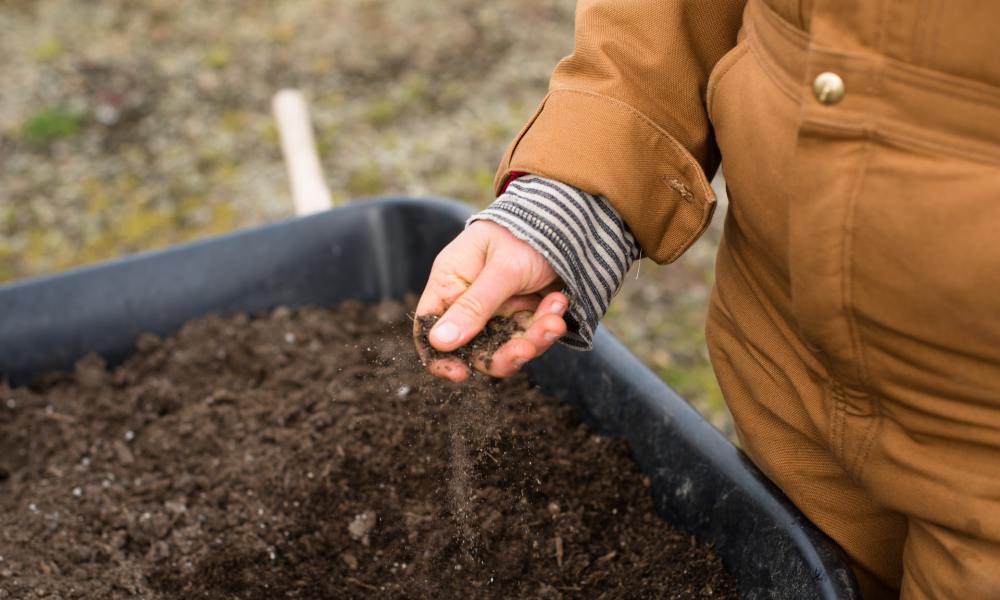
(469, 313)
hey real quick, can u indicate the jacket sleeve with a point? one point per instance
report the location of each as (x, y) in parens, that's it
(625, 115)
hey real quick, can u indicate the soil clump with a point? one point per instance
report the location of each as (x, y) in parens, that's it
(307, 454)
(496, 333)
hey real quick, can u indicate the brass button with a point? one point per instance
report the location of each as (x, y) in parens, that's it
(828, 88)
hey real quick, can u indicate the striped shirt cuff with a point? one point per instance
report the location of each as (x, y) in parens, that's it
(580, 235)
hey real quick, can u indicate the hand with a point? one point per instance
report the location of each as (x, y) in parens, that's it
(487, 271)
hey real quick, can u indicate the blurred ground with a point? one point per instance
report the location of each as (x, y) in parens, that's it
(127, 126)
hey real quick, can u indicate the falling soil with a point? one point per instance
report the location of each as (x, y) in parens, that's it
(497, 332)
(306, 454)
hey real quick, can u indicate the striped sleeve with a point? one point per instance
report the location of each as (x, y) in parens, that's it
(588, 245)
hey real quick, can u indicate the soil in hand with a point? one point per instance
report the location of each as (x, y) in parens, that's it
(497, 332)
(307, 454)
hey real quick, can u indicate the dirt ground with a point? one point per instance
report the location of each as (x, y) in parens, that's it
(307, 454)
(126, 126)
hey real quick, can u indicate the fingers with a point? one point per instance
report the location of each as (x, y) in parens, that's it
(449, 368)
(508, 359)
(547, 325)
(486, 271)
(542, 330)
(469, 313)
(523, 303)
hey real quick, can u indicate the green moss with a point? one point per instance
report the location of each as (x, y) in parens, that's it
(48, 51)
(382, 112)
(697, 384)
(416, 88)
(96, 195)
(389, 141)
(454, 92)
(210, 159)
(222, 219)
(121, 219)
(8, 214)
(39, 249)
(218, 57)
(144, 227)
(7, 264)
(326, 138)
(268, 130)
(50, 125)
(366, 181)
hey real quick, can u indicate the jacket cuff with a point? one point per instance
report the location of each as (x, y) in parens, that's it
(588, 245)
(602, 145)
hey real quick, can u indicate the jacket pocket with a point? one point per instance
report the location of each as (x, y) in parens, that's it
(719, 71)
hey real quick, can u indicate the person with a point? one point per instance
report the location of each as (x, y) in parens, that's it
(854, 325)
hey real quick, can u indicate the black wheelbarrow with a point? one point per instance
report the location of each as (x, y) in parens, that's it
(383, 249)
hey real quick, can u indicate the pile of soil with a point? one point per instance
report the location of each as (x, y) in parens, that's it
(307, 454)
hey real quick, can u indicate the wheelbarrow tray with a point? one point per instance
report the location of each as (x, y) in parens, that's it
(381, 249)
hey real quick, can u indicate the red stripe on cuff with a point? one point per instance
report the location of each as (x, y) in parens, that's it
(510, 179)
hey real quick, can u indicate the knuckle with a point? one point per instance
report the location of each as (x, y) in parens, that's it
(440, 261)
(470, 305)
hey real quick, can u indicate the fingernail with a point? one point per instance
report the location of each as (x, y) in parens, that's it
(557, 308)
(445, 333)
(550, 337)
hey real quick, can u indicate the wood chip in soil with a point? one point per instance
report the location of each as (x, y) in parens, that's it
(307, 454)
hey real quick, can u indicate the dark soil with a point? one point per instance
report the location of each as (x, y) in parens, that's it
(306, 454)
(497, 332)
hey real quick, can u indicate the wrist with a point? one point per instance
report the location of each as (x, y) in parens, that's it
(581, 237)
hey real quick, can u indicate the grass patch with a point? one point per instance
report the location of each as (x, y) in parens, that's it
(218, 57)
(51, 125)
(382, 112)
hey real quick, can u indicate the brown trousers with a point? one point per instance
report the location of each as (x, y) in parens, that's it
(855, 323)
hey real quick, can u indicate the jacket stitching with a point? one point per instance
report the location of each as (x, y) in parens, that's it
(892, 133)
(873, 428)
(861, 359)
(836, 425)
(773, 72)
(727, 62)
(847, 262)
(509, 157)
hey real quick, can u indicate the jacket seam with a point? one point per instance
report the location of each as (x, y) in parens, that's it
(847, 262)
(773, 73)
(509, 156)
(890, 132)
(734, 56)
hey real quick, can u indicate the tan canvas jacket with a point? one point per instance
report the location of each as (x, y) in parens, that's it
(626, 113)
(854, 325)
